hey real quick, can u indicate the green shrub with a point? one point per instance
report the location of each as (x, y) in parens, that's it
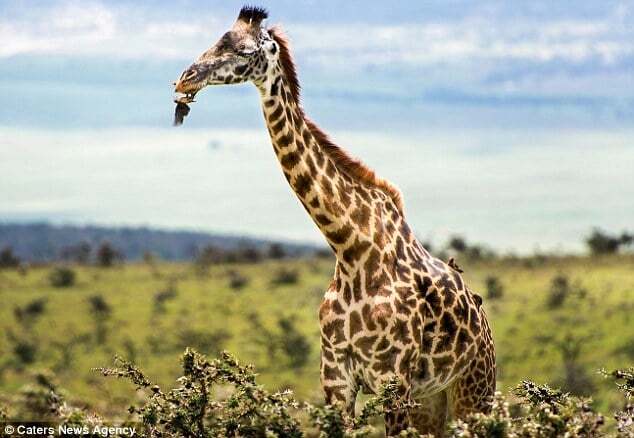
(558, 292)
(163, 296)
(246, 409)
(30, 311)
(8, 259)
(237, 281)
(285, 276)
(62, 277)
(494, 287)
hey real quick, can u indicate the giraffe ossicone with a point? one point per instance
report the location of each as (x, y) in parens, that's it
(392, 309)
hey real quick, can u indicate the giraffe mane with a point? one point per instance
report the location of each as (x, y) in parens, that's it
(348, 164)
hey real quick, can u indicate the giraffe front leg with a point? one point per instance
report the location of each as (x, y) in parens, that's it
(397, 411)
(338, 386)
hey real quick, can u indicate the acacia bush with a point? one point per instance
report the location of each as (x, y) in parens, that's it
(221, 397)
(285, 276)
(494, 287)
(62, 277)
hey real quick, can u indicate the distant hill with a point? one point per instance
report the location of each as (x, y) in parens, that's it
(38, 242)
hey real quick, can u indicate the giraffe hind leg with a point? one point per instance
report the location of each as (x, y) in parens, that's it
(430, 416)
(473, 391)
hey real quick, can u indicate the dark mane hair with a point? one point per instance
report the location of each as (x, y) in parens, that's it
(344, 161)
(252, 13)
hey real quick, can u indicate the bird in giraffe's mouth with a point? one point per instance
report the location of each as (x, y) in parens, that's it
(182, 108)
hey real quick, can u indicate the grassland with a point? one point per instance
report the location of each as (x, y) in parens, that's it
(150, 312)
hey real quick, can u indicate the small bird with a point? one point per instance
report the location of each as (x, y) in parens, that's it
(182, 109)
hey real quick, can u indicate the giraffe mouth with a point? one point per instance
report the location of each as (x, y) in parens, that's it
(184, 98)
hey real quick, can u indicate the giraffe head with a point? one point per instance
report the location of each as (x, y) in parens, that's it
(241, 55)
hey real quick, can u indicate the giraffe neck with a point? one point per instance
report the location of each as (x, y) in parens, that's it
(340, 207)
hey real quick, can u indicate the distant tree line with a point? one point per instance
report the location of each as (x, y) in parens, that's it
(105, 254)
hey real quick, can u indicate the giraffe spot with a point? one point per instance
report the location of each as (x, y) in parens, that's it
(324, 309)
(386, 361)
(355, 251)
(275, 114)
(306, 136)
(275, 87)
(343, 189)
(332, 373)
(296, 119)
(448, 325)
(338, 308)
(319, 156)
(405, 231)
(289, 160)
(356, 287)
(404, 364)
(474, 321)
(400, 249)
(402, 307)
(334, 331)
(347, 294)
(277, 127)
(433, 300)
(361, 191)
(302, 185)
(366, 312)
(372, 262)
(379, 239)
(416, 323)
(429, 331)
(403, 271)
(322, 219)
(327, 355)
(356, 325)
(327, 187)
(389, 229)
(314, 202)
(269, 103)
(333, 207)
(384, 344)
(449, 298)
(442, 365)
(365, 344)
(335, 394)
(285, 140)
(339, 236)
(458, 280)
(330, 169)
(361, 217)
(381, 313)
(423, 368)
(462, 310)
(310, 163)
(400, 331)
(462, 342)
(478, 299)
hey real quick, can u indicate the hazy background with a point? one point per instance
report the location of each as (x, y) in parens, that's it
(510, 123)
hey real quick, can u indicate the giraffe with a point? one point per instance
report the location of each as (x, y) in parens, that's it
(392, 310)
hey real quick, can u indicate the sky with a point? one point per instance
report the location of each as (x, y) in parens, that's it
(511, 123)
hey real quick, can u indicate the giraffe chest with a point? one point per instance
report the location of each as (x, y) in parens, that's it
(425, 336)
(367, 339)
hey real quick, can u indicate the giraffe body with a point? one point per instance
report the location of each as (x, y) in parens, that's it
(391, 310)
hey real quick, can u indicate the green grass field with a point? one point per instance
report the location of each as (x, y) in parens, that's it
(273, 324)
